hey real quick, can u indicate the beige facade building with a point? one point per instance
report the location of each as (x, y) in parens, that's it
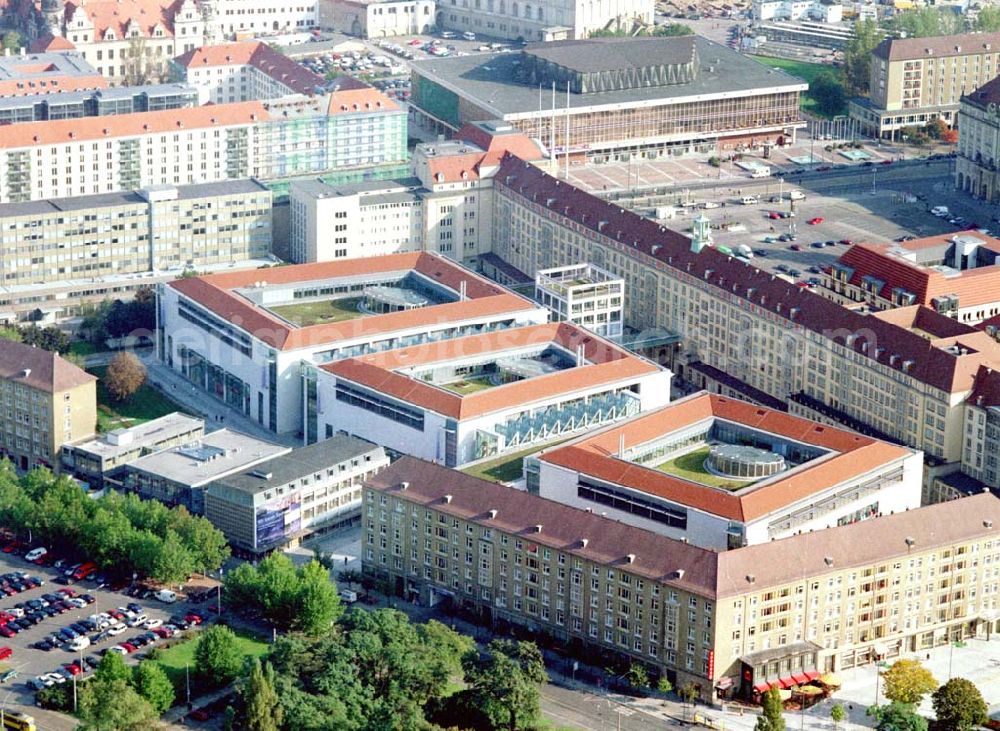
(915, 80)
(378, 18)
(976, 167)
(901, 374)
(47, 402)
(731, 622)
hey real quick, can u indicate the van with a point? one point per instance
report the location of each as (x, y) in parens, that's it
(749, 200)
(35, 553)
(939, 211)
(348, 596)
(447, 34)
(709, 204)
(80, 643)
(469, 36)
(796, 195)
(166, 596)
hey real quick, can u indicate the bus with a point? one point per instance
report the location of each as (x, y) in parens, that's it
(17, 721)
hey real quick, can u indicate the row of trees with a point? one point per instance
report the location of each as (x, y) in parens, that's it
(958, 704)
(669, 29)
(118, 319)
(47, 338)
(377, 670)
(121, 533)
(296, 598)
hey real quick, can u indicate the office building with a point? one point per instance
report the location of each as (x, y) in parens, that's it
(105, 456)
(242, 336)
(915, 80)
(627, 96)
(42, 72)
(723, 473)
(957, 275)
(733, 623)
(57, 257)
(47, 402)
(585, 295)
(901, 375)
(247, 71)
(275, 504)
(470, 398)
(979, 143)
(180, 475)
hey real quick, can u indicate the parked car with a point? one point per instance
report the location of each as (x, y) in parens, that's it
(815, 221)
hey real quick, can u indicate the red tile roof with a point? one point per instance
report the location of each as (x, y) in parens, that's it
(986, 392)
(355, 100)
(116, 15)
(259, 55)
(964, 44)
(492, 148)
(926, 361)
(50, 84)
(50, 43)
(609, 364)
(214, 292)
(64, 131)
(854, 455)
(40, 369)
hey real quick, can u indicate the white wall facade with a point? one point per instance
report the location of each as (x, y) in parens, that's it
(534, 19)
(233, 83)
(239, 19)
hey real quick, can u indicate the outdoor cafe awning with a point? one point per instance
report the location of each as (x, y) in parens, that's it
(800, 678)
(761, 687)
(812, 674)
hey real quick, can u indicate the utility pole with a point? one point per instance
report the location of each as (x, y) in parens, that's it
(187, 683)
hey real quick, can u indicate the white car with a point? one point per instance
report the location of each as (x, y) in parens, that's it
(137, 619)
(119, 649)
(55, 677)
(116, 630)
(16, 611)
(153, 623)
(35, 553)
(45, 680)
(76, 602)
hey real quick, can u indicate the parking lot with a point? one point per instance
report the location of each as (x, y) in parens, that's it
(29, 662)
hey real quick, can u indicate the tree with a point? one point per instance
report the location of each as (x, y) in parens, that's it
(673, 29)
(504, 681)
(897, 716)
(12, 41)
(9, 332)
(47, 338)
(772, 717)
(115, 706)
(959, 706)
(173, 562)
(949, 136)
(988, 20)
(858, 55)
(317, 603)
(907, 681)
(152, 683)
(664, 685)
(837, 715)
(111, 668)
(828, 92)
(263, 710)
(935, 128)
(926, 22)
(217, 657)
(636, 676)
(124, 376)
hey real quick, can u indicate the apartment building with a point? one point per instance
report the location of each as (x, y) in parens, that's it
(378, 18)
(47, 402)
(732, 622)
(724, 473)
(105, 456)
(644, 97)
(902, 374)
(474, 397)
(180, 475)
(57, 257)
(247, 71)
(277, 503)
(543, 20)
(42, 72)
(243, 336)
(957, 275)
(915, 80)
(976, 171)
(127, 41)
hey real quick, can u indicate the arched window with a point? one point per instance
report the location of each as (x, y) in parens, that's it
(540, 13)
(527, 11)
(514, 9)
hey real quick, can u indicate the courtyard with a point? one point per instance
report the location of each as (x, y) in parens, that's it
(690, 466)
(323, 312)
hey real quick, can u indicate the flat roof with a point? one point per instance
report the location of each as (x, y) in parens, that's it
(299, 463)
(614, 54)
(850, 455)
(606, 363)
(217, 294)
(157, 430)
(215, 455)
(488, 81)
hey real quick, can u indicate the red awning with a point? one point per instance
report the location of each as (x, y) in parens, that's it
(813, 674)
(786, 682)
(776, 684)
(800, 678)
(761, 688)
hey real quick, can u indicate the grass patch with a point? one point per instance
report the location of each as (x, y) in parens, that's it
(469, 385)
(82, 348)
(507, 467)
(691, 466)
(145, 405)
(807, 72)
(174, 659)
(304, 314)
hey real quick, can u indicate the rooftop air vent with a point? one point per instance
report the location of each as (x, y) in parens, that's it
(447, 499)
(404, 485)
(492, 514)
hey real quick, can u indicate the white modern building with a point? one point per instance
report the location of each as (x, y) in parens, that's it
(242, 337)
(473, 398)
(585, 295)
(724, 473)
(797, 10)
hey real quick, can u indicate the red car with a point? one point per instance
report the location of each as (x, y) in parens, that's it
(200, 714)
(774, 215)
(163, 632)
(129, 647)
(886, 162)
(192, 618)
(846, 242)
(795, 247)
(73, 669)
(116, 614)
(815, 221)
(66, 591)
(6, 631)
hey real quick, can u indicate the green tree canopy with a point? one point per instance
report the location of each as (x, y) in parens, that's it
(115, 706)
(828, 92)
(907, 681)
(111, 668)
(152, 683)
(959, 706)
(927, 21)
(772, 710)
(898, 716)
(858, 55)
(505, 681)
(217, 657)
(263, 709)
(317, 605)
(988, 20)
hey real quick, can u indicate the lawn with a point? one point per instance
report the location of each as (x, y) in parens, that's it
(304, 314)
(803, 70)
(470, 385)
(174, 659)
(691, 467)
(507, 467)
(146, 404)
(82, 348)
